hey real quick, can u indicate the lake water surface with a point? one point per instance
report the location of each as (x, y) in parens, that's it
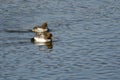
(86, 40)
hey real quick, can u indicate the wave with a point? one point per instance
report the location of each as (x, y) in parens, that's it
(16, 31)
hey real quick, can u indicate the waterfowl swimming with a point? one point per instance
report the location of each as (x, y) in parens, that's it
(43, 37)
(41, 28)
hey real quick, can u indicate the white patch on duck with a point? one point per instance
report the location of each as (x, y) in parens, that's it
(40, 39)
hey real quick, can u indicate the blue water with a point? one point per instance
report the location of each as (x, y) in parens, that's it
(86, 40)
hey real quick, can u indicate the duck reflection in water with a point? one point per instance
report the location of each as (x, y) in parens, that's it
(43, 36)
(49, 45)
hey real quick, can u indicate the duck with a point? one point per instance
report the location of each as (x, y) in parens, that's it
(40, 29)
(42, 37)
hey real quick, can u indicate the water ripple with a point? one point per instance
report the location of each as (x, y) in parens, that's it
(17, 31)
(85, 38)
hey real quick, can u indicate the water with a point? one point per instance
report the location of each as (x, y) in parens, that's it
(86, 41)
